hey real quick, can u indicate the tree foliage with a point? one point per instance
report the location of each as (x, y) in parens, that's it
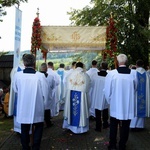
(132, 22)
(8, 3)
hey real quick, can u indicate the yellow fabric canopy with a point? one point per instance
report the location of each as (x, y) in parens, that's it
(73, 38)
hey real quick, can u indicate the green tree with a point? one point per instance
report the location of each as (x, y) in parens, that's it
(8, 3)
(131, 18)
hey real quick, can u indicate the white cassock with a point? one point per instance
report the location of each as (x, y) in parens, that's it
(97, 92)
(120, 94)
(55, 99)
(78, 81)
(139, 122)
(31, 90)
(91, 72)
(51, 86)
(61, 88)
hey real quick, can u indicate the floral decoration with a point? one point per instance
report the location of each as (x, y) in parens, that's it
(36, 36)
(111, 38)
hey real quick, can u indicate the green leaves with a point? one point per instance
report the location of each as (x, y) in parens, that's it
(131, 18)
(9, 3)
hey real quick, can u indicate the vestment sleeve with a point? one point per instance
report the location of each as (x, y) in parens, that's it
(108, 87)
(44, 87)
(14, 85)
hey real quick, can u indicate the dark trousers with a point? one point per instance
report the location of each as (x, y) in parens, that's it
(37, 135)
(124, 132)
(47, 117)
(99, 120)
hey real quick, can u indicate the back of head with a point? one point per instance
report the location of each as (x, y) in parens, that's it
(28, 60)
(139, 63)
(50, 64)
(43, 67)
(104, 65)
(122, 59)
(74, 63)
(62, 65)
(94, 63)
(79, 64)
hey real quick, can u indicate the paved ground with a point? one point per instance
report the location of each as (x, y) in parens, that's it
(56, 138)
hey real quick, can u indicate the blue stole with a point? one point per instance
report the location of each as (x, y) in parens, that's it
(15, 101)
(141, 95)
(75, 102)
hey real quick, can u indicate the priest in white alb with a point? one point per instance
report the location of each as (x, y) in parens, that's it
(142, 97)
(100, 104)
(31, 88)
(91, 72)
(76, 110)
(55, 98)
(120, 88)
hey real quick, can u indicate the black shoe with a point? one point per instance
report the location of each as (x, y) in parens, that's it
(50, 125)
(105, 125)
(98, 130)
(137, 129)
(92, 118)
(112, 147)
(122, 147)
(133, 129)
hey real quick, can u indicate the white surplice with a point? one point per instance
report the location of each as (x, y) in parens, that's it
(78, 80)
(97, 92)
(31, 90)
(17, 126)
(51, 85)
(91, 72)
(138, 122)
(120, 94)
(55, 99)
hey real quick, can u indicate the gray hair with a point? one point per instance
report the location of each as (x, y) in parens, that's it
(43, 67)
(28, 60)
(122, 59)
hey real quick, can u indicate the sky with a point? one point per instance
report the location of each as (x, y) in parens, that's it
(51, 12)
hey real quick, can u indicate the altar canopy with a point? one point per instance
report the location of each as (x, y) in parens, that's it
(73, 38)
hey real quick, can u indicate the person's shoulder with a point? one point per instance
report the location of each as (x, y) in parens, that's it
(18, 73)
(39, 74)
(133, 71)
(89, 70)
(112, 71)
(86, 76)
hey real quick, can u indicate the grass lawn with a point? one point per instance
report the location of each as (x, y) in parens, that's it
(6, 126)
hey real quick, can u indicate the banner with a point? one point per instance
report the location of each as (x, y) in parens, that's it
(17, 43)
(18, 21)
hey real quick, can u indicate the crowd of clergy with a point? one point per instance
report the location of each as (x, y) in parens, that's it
(117, 98)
